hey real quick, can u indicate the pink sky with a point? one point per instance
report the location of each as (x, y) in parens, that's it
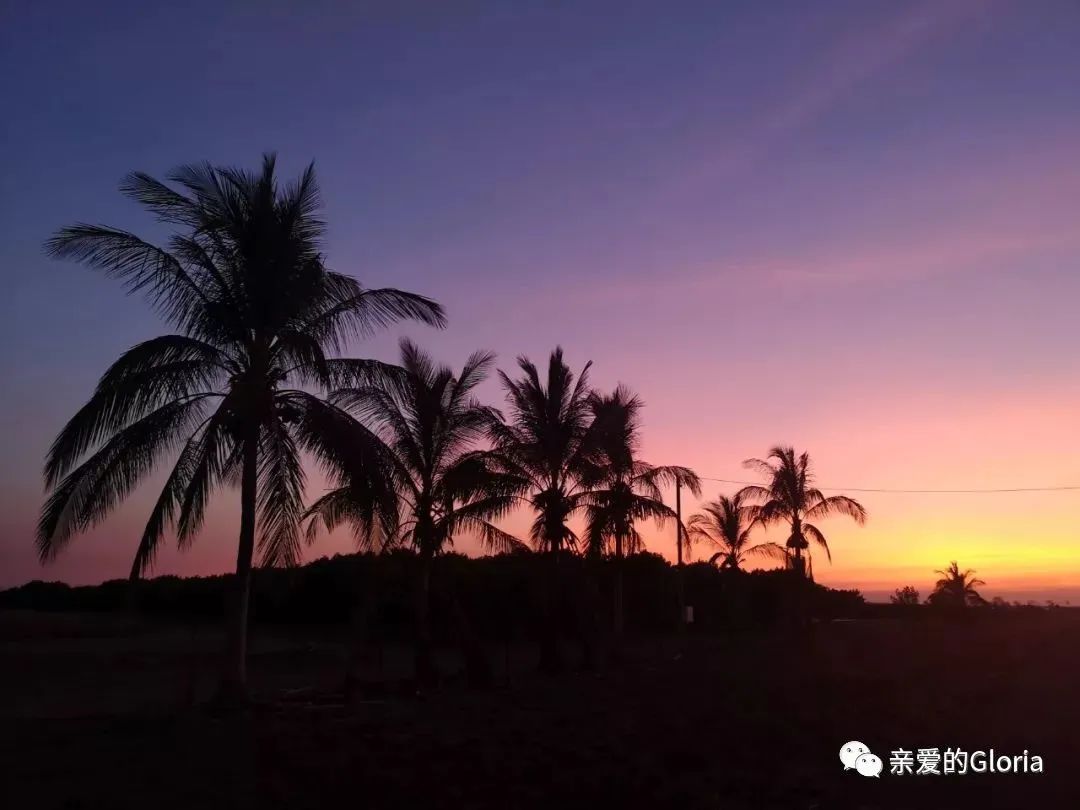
(853, 228)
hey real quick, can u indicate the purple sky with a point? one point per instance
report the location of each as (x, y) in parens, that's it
(850, 226)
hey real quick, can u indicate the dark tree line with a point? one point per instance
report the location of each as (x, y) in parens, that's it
(503, 595)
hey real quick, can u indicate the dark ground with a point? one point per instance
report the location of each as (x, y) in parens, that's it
(93, 713)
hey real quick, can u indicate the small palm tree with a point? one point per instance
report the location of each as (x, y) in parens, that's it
(623, 490)
(790, 497)
(957, 588)
(547, 441)
(257, 312)
(429, 421)
(726, 524)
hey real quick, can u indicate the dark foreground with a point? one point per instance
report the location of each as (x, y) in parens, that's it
(96, 713)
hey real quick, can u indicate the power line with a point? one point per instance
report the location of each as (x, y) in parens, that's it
(913, 491)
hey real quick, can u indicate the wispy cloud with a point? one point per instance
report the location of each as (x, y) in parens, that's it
(839, 71)
(930, 221)
(907, 256)
(865, 55)
(928, 256)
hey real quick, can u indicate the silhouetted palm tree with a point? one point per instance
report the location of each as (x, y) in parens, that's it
(430, 422)
(726, 524)
(790, 497)
(957, 588)
(256, 312)
(548, 442)
(623, 490)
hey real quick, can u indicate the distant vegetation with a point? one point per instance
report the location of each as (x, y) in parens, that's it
(908, 595)
(503, 596)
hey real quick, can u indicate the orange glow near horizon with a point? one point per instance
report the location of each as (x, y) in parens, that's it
(1023, 544)
(865, 246)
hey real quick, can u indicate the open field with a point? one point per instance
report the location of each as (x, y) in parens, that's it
(94, 714)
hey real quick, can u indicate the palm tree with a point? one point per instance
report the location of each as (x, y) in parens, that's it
(622, 489)
(547, 441)
(726, 524)
(957, 588)
(429, 421)
(790, 497)
(256, 313)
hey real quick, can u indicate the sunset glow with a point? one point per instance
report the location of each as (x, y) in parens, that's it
(860, 237)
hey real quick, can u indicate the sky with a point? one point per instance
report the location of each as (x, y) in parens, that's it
(853, 227)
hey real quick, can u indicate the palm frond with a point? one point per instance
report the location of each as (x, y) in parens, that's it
(771, 551)
(142, 267)
(752, 492)
(359, 312)
(373, 523)
(86, 495)
(168, 503)
(761, 466)
(813, 533)
(343, 447)
(837, 505)
(144, 378)
(280, 496)
(215, 453)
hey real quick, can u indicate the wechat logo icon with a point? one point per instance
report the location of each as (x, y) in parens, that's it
(856, 755)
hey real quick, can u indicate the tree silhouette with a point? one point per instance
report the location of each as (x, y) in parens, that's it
(956, 588)
(622, 489)
(790, 497)
(548, 442)
(257, 313)
(429, 421)
(726, 525)
(908, 596)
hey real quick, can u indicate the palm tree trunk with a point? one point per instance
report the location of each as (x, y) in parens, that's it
(234, 670)
(550, 653)
(798, 564)
(680, 580)
(477, 664)
(617, 591)
(426, 672)
(590, 612)
(801, 597)
(360, 641)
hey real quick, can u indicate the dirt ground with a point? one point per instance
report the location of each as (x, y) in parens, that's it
(105, 712)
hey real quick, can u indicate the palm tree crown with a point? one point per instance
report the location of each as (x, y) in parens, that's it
(621, 488)
(957, 587)
(548, 442)
(726, 524)
(790, 497)
(257, 312)
(429, 421)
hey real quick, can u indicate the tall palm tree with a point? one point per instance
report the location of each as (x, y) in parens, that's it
(548, 442)
(790, 497)
(726, 524)
(430, 422)
(622, 489)
(256, 313)
(957, 588)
